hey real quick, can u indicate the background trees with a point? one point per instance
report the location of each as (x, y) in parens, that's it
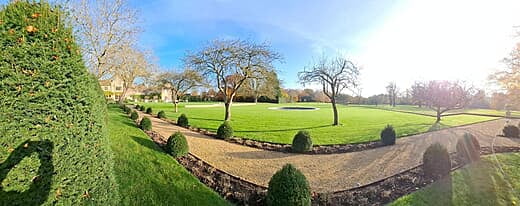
(229, 64)
(334, 75)
(442, 96)
(178, 83)
(130, 65)
(392, 93)
(509, 78)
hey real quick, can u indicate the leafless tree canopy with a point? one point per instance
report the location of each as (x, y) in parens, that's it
(334, 75)
(131, 64)
(179, 83)
(392, 90)
(509, 78)
(228, 64)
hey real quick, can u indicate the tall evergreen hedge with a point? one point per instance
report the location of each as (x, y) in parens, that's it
(53, 144)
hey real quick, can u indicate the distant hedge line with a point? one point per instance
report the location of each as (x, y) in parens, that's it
(52, 111)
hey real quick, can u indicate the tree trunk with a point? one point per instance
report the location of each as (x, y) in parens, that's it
(256, 99)
(228, 111)
(176, 106)
(123, 95)
(438, 114)
(335, 111)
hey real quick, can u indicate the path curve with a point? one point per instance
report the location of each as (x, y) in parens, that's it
(329, 172)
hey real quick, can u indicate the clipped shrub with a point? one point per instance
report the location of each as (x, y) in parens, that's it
(161, 114)
(436, 161)
(511, 131)
(138, 107)
(225, 131)
(182, 120)
(388, 135)
(142, 109)
(468, 148)
(134, 116)
(54, 148)
(288, 187)
(177, 146)
(127, 110)
(302, 142)
(145, 124)
(149, 110)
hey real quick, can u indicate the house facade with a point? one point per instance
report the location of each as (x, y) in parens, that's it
(112, 88)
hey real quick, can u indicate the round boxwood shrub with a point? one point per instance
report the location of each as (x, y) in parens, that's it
(436, 161)
(137, 106)
(288, 187)
(149, 110)
(302, 142)
(134, 116)
(127, 110)
(225, 131)
(468, 148)
(161, 114)
(52, 113)
(511, 131)
(146, 124)
(182, 120)
(388, 135)
(177, 146)
(142, 109)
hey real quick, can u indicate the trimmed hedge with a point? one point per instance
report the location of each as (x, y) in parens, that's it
(288, 187)
(182, 120)
(468, 148)
(54, 148)
(436, 161)
(225, 131)
(134, 116)
(149, 110)
(388, 135)
(145, 124)
(161, 114)
(511, 131)
(302, 142)
(177, 146)
(127, 110)
(142, 108)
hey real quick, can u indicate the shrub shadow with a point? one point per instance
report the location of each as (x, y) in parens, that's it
(284, 130)
(147, 143)
(258, 155)
(40, 187)
(207, 119)
(437, 126)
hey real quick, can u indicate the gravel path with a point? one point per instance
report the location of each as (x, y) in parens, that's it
(332, 172)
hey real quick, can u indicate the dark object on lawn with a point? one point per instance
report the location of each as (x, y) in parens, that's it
(161, 114)
(145, 124)
(302, 142)
(177, 146)
(142, 108)
(511, 131)
(288, 187)
(182, 120)
(149, 110)
(225, 131)
(388, 135)
(468, 148)
(436, 161)
(134, 116)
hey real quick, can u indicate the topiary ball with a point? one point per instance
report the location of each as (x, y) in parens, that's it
(511, 131)
(388, 135)
(137, 106)
(468, 148)
(225, 131)
(177, 146)
(142, 108)
(127, 110)
(134, 116)
(436, 161)
(288, 187)
(146, 124)
(161, 114)
(149, 110)
(302, 142)
(182, 120)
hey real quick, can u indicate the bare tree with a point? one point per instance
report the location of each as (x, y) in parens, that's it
(228, 64)
(418, 93)
(392, 93)
(509, 78)
(103, 29)
(443, 96)
(179, 83)
(130, 65)
(267, 85)
(334, 76)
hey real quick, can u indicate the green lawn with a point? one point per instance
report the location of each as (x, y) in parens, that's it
(480, 183)
(424, 110)
(360, 124)
(148, 176)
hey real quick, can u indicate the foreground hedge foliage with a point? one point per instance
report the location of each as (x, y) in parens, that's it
(288, 187)
(54, 149)
(302, 142)
(177, 146)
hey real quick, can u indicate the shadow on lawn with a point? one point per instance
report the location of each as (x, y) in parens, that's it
(437, 126)
(258, 155)
(207, 119)
(40, 187)
(284, 130)
(147, 143)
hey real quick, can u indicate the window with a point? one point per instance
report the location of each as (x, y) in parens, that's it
(118, 88)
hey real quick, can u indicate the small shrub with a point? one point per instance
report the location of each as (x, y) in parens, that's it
(182, 120)
(161, 114)
(388, 135)
(511, 131)
(146, 124)
(288, 187)
(177, 146)
(127, 110)
(134, 116)
(225, 131)
(468, 148)
(302, 142)
(142, 108)
(137, 106)
(436, 161)
(149, 110)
